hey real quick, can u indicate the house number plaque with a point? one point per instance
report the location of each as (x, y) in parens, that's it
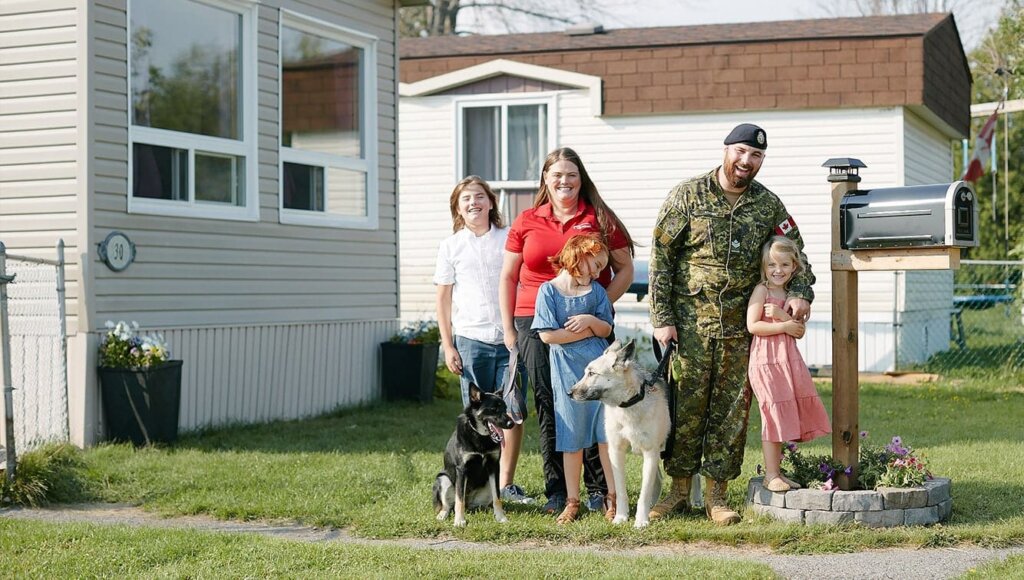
(117, 251)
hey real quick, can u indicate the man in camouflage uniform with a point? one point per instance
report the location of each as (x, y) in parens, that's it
(705, 262)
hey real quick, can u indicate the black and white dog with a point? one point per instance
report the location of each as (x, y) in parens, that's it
(470, 476)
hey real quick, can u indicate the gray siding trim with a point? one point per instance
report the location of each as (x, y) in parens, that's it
(268, 372)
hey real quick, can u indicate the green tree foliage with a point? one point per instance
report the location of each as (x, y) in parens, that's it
(997, 66)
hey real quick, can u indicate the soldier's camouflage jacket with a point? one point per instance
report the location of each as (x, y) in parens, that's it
(706, 257)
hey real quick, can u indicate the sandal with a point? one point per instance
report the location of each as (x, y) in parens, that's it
(571, 512)
(609, 506)
(777, 485)
(792, 484)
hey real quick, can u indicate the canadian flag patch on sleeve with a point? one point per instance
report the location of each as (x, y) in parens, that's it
(786, 226)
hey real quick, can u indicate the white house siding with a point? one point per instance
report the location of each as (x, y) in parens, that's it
(635, 161)
(925, 298)
(426, 177)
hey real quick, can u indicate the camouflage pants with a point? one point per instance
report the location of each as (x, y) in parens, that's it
(712, 406)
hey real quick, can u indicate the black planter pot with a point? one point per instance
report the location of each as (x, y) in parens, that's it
(142, 406)
(408, 371)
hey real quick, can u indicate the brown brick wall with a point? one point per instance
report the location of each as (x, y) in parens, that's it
(828, 73)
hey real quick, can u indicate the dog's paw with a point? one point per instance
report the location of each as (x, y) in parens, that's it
(459, 523)
(641, 524)
(620, 519)
(442, 515)
(501, 519)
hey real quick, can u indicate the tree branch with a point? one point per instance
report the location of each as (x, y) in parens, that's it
(517, 10)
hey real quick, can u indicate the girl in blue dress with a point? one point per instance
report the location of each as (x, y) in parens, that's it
(574, 316)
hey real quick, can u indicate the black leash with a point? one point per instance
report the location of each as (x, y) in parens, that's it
(661, 372)
(670, 442)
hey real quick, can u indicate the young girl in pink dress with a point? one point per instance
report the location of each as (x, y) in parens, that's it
(790, 407)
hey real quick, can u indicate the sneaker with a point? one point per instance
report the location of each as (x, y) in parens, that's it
(512, 493)
(595, 502)
(555, 505)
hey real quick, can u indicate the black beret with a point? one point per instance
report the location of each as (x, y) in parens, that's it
(748, 134)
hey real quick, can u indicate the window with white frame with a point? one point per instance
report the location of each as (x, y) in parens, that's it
(328, 125)
(505, 143)
(191, 79)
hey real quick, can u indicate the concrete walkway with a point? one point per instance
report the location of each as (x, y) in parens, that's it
(902, 564)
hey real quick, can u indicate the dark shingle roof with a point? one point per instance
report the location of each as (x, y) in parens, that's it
(832, 28)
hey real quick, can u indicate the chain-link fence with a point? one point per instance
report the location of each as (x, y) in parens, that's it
(35, 348)
(967, 323)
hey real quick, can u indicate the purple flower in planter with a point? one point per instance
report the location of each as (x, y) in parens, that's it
(896, 447)
(849, 470)
(791, 447)
(863, 434)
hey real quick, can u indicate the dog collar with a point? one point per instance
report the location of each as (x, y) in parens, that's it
(662, 370)
(637, 397)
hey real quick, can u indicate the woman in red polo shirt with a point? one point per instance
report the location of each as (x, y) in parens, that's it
(567, 204)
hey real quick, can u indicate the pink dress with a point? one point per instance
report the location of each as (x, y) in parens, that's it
(790, 407)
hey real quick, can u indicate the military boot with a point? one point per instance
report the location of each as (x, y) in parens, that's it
(676, 500)
(714, 501)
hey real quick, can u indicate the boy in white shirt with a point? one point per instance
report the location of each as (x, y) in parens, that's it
(468, 266)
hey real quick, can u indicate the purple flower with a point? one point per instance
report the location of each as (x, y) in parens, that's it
(848, 470)
(863, 434)
(897, 440)
(791, 446)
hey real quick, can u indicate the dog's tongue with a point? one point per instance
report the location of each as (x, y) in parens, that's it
(496, 434)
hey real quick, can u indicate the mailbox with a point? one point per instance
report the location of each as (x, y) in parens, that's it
(944, 214)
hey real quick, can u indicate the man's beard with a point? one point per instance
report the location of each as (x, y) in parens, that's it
(738, 182)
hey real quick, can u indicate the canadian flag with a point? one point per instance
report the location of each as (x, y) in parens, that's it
(982, 150)
(786, 226)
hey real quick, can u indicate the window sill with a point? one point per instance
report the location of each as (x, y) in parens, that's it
(192, 210)
(321, 220)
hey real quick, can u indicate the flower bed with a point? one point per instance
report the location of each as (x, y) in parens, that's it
(883, 507)
(897, 489)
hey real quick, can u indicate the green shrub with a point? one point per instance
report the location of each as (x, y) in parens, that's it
(446, 384)
(52, 473)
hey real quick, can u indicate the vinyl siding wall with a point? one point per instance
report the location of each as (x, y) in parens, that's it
(201, 272)
(40, 133)
(925, 299)
(273, 321)
(635, 161)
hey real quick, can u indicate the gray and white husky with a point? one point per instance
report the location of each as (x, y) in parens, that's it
(635, 414)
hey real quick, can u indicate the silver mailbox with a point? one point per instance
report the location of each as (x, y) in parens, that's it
(944, 214)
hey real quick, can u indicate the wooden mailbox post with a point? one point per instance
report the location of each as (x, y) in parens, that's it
(843, 175)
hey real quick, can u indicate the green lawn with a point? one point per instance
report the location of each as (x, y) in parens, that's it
(371, 470)
(994, 346)
(42, 550)
(1012, 567)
